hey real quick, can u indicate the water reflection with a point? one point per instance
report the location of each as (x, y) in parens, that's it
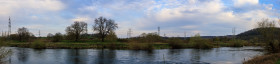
(105, 57)
(196, 55)
(97, 56)
(76, 56)
(142, 56)
(39, 53)
(58, 55)
(22, 54)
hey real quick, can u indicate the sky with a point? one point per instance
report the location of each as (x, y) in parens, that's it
(174, 17)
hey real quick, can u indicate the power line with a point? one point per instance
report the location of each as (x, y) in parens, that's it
(9, 31)
(233, 32)
(129, 32)
(39, 33)
(158, 30)
(185, 35)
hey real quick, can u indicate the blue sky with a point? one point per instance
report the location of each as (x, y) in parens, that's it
(207, 17)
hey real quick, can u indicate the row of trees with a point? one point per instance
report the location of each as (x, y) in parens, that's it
(22, 35)
(102, 26)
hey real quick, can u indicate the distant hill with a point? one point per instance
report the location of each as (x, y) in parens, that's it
(254, 33)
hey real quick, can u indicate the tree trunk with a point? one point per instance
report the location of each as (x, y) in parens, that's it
(272, 46)
(102, 38)
(77, 37)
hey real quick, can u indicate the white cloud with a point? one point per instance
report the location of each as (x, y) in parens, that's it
(80, 19)
(173, 16)
(189, 27)
(239, 3)
(11, 6)
(34, 26)
(210, 13)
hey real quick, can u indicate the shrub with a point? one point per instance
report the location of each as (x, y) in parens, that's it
(140, 46)
(237, 43)
(148, 38)
(38, 44)
(273, 46)
(176, 43)
(49, 36)
(199, 43)
(57, 37)
(111, 37)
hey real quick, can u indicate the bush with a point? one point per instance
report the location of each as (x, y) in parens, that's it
(237, 43)
(148, 38)
(57, 37)
(176, 43)
(273, 46)
(266, 59)
(111, 37)
(140, 46)
(38, 44)
(199, 43)
(49, 36)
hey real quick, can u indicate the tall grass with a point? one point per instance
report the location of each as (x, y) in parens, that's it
(199, 43)
(140, 46)
(176, 43)
(38, 44)
(266, 59)
(237, 43)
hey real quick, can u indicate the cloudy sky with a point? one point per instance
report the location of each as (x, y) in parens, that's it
(207, 17)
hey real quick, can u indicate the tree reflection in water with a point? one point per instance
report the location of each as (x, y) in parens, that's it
(196, 55)
(23, 54)
(105, 57)
(76, 56)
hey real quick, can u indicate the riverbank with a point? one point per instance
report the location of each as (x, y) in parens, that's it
(86, 45)
(117, 45)
(265, 59)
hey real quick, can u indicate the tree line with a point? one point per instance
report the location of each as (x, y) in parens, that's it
(102, 27)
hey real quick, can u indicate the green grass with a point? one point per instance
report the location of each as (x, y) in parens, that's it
(89, 44)
(278, 62)
(38, 44)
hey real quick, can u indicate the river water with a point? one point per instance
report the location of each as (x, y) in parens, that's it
(222, 55)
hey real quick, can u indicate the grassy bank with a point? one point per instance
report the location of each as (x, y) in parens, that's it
(87, 45)
(116, 45)
(265, 59)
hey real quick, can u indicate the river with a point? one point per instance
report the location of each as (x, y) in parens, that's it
(222, 55)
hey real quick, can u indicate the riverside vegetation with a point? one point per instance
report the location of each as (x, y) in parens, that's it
(76, 37)
(270, 36)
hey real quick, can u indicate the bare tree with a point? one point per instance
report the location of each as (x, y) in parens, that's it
(104, 26)
(76, 29)
(49, 36)
(23, 34)
(57, 37)
(267, 28)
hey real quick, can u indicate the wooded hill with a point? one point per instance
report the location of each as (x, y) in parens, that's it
(255, 34)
